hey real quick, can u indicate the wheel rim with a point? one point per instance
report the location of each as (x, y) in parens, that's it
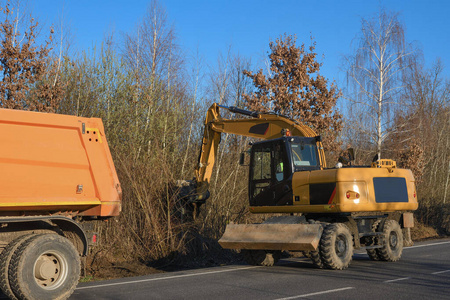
(50, 270)
(393, 240)
(341, 245)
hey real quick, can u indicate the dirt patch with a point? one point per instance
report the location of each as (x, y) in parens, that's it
(101, 266)
(119, 270)
(200, 252)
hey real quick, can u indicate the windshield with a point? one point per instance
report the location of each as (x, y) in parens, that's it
(304, 155)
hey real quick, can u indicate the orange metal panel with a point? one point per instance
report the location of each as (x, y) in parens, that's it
(52, 163)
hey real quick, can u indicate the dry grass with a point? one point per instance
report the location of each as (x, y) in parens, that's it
(435, 215)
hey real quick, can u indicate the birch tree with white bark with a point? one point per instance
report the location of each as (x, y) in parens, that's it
(374, 79)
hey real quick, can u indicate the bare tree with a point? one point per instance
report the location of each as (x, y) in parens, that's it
(153, 58)
(375, 74)
(428, 121)
(226, 85)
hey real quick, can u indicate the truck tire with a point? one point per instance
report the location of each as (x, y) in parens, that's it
(5, 259)
(392, 241)
(261, 257)
(46, 266)
(372, 241)
(336, 246)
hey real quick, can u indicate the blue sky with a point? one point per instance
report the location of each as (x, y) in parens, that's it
(248, 26)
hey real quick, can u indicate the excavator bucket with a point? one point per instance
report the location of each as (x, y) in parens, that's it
(272, 236)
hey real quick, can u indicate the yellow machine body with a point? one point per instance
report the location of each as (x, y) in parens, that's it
(288, 174)
(348, 190)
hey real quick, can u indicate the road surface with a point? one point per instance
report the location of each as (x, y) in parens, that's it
(422, 273)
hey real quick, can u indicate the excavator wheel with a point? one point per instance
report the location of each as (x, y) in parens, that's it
(314, 256)
(392, 241)
(316, 259)
(336, 246)
(261, 257)
(372, 240)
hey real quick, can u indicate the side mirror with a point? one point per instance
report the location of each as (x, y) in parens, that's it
(242, 159)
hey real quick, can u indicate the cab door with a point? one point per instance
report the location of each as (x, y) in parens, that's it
(270, 175)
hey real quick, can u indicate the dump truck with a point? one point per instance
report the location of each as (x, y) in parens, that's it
(323, 212)
(57, 178)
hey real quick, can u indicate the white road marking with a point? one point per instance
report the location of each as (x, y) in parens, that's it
(398, 279)
(440, 272)
(363, 252)
(165, 278)
(245, 268)
(427, 245)
(317, 293)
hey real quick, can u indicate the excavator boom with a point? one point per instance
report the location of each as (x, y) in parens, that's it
(265, 126)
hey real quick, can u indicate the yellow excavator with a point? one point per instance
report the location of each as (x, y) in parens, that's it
(324, 212)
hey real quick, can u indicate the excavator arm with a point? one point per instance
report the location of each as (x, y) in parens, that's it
(258, 125)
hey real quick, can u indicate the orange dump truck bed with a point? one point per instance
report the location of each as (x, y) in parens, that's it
(56, 163)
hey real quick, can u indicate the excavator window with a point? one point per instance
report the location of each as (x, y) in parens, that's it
(261, 170)
(278, 162)
(262, 164)
(304, 154)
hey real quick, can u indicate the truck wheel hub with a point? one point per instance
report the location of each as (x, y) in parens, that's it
(46, 267)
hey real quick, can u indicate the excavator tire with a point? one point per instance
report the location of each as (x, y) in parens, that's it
(392, 241)
(306, 254)
(373, 253)
(336, 246)
(315, 255)
(316, 259)
(261, 257)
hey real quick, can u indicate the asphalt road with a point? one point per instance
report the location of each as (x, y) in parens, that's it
(422, 273)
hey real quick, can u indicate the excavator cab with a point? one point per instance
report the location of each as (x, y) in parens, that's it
(272, 164)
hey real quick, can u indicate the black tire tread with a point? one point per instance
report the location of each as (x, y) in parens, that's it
(316, 259)
(386, 253)
(14, 269)
(373, 253)
(315, 255)
(327, 251)
(5, 259)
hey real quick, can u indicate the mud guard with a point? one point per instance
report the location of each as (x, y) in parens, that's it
(272, 236)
